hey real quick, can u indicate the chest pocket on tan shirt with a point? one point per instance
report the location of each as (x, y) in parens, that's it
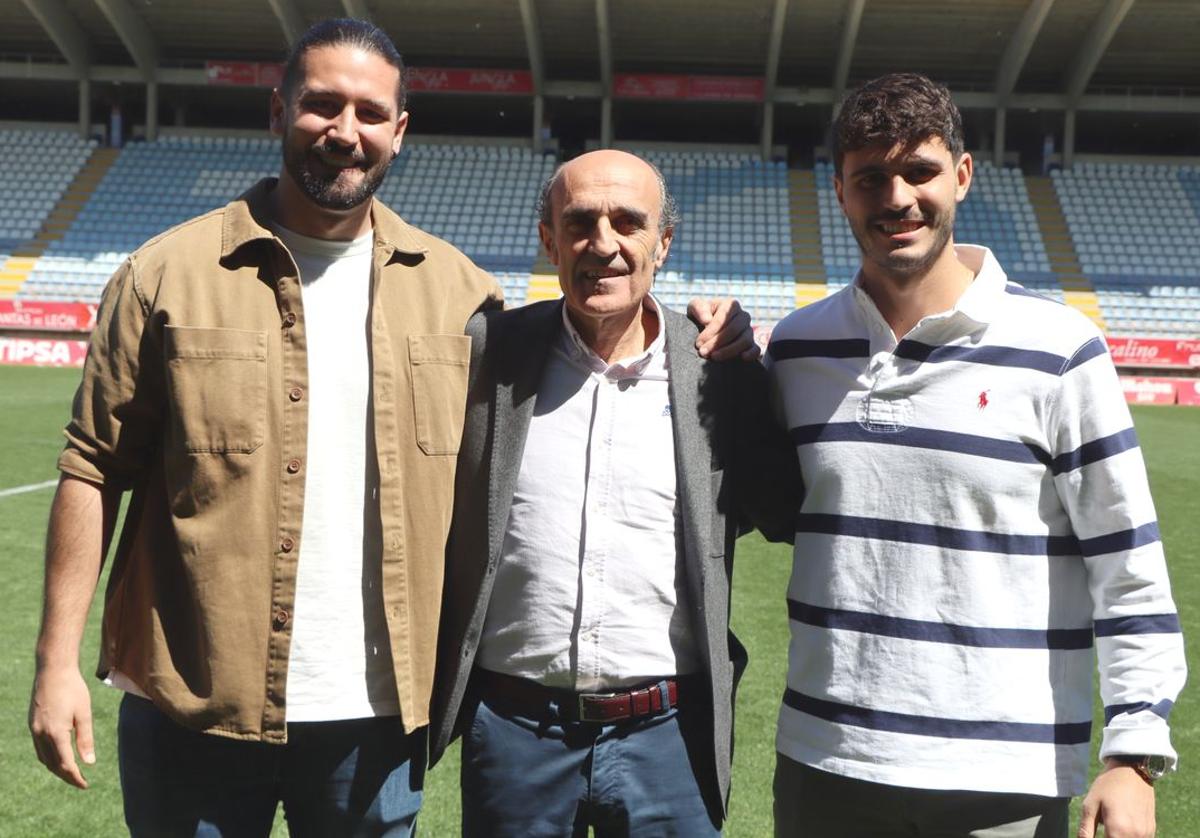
(438, 365)
(217, 380)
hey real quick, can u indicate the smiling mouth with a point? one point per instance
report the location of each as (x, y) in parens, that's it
(338, 161)
(896, 227)
(604, 273)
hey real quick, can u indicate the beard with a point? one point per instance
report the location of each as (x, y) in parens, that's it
(898, 262)
(333, 191)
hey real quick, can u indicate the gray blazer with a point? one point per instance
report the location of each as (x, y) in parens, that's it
(733, 466)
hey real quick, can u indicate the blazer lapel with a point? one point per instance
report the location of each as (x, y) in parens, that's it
(693, 456)
(521, 356)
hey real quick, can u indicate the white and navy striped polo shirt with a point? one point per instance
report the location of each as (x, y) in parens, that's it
(976, 528)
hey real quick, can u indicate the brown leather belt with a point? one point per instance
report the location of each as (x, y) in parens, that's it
(531, 699)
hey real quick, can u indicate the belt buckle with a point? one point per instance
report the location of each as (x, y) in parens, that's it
(582, 699)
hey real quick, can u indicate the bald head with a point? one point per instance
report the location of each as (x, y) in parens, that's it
(607, 227)
(614, 161)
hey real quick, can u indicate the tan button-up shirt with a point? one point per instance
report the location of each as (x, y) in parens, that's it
(193, 396)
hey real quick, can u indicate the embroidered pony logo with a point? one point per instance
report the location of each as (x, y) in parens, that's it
(983, 399)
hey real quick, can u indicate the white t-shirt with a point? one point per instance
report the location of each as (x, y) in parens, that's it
(340, 664)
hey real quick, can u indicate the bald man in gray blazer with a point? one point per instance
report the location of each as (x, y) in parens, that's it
(557, 722)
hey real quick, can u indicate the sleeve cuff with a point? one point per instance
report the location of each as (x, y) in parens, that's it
(1154, 740)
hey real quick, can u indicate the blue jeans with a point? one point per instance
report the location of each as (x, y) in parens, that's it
(544, 778)
(354, 777)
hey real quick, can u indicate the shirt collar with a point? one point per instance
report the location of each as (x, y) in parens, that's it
(248, 218)
(978, 303)
(578, 351)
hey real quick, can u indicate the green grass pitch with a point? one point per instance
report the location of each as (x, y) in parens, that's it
(33, 803)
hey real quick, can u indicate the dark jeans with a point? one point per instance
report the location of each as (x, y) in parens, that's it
(809, 802)
(355, 777)
(545, 778)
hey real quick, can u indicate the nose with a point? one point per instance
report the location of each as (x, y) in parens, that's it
(343, 128)
(899, 193)
(603, 241)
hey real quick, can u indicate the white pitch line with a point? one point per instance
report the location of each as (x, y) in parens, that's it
(32, 487)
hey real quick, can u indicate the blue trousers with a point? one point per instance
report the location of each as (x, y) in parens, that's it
(544, 778)
(356, 777)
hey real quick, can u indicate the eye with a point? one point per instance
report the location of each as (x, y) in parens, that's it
(626, 225)
(921, 174)
(871, 181)
(321, 107)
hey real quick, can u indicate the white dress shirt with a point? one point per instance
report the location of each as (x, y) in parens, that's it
(590, 588)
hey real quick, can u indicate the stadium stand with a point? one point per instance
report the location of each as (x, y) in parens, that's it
(1135, 228)
(735, 238)
(149, 188)
(479, 197)
(32, 183)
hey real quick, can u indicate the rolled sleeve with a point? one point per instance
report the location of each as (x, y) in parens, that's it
(115, 415)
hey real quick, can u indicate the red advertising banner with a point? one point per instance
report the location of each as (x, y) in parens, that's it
(453, 80)
(36, 315)
(28, 352)
(243, 73)
(1155, 352)
(434, 79)
(1141, 390)
(270, 75)
(1187, 391)
(688, 88)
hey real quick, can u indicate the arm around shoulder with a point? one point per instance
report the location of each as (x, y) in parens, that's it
(766, 472)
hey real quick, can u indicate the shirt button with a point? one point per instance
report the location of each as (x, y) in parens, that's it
(289, 319)
(293, 466)
(286, 545)
(295, 394)
(280, 618)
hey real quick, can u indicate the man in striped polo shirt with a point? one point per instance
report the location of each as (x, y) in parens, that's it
(977, 526)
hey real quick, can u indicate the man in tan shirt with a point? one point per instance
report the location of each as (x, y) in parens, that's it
(281, 385)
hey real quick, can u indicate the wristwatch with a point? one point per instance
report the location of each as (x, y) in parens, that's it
(1150, 767)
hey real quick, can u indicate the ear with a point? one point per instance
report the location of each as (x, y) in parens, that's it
(837, 188)
(547, 237)
(964, 169)
(398, 136)
(277, 113)
(664, 247)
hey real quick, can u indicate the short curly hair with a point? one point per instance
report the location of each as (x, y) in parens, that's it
(896, 109)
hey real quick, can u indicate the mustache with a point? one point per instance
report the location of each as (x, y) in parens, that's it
(334, 150)
(893, 217)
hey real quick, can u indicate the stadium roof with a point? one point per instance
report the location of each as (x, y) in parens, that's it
(807, 50)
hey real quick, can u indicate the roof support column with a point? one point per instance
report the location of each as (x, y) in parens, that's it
(85, 108)
(1068, 149)
(841, 73)
(357, 9)
(151, 111)
(998, 139)
(65, 31)
(1011, 63)
(539, 117)
(533, 46)
(290, 20)
(774, 50)
(606, 74)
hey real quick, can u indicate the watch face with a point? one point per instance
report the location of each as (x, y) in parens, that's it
(1156, 766)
